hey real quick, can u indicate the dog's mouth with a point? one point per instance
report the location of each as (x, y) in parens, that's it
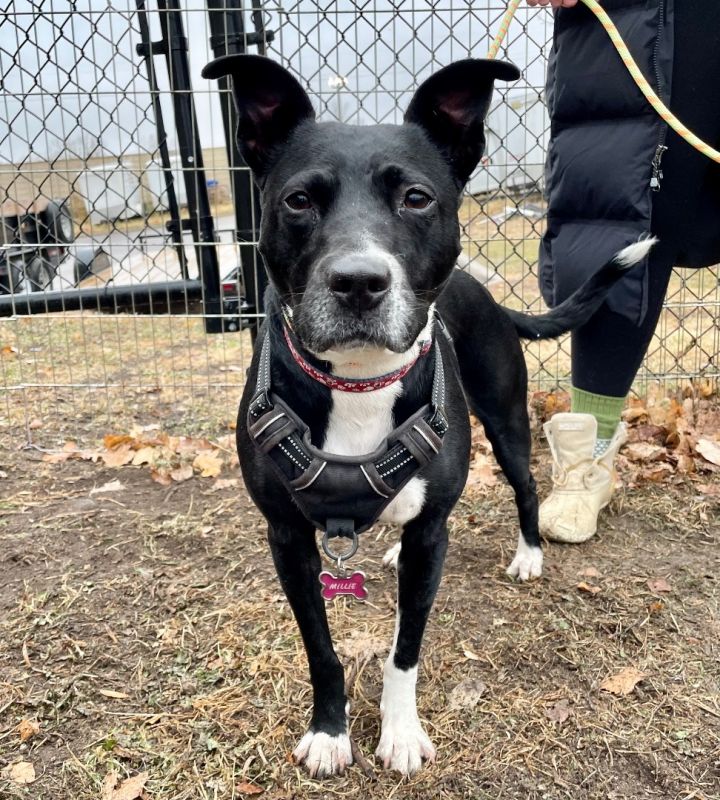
(343, 335)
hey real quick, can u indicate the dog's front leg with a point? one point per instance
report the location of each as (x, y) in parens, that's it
(325, 748)
(403, 741)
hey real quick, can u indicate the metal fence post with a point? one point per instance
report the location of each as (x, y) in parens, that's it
(228, 37)
(201, 221)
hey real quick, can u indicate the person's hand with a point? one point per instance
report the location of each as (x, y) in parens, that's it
(553, 3)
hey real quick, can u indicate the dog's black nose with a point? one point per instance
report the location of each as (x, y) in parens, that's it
(359, 282)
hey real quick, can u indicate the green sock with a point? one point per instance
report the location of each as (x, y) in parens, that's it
(605, 409)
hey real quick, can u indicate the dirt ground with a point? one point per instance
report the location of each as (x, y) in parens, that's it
(144, 630)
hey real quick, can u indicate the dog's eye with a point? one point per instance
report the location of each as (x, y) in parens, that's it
(417, 200)
(298, 201)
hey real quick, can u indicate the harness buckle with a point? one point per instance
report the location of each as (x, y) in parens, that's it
(340, 528)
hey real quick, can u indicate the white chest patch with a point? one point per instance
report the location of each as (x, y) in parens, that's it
(360, 422)
(358, 425)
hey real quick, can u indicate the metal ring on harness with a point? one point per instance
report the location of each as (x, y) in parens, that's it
(339, 557)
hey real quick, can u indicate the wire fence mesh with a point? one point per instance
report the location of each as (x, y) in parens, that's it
(80, 143)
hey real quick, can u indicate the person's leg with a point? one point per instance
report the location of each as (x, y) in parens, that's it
(608, 350)
(606, 354)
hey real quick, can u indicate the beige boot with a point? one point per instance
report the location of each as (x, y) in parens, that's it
(582, 485)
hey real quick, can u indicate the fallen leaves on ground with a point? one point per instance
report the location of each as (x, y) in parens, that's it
(559, 712)
(129, 789)
(670, 437)
(709, 450)
(21, 772)
(169, 459)
(583, 586)
(28, 728)
(467, 693)
(623, 682)
(209, 464)
(589, 572)
(248, 788)
(659, 585)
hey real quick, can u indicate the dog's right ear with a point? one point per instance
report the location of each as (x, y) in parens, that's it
(270, 104)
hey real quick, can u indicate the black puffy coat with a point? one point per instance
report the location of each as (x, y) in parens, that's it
(604, 190)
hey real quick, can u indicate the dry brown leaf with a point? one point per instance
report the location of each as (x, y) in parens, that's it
(117, 457)
(656, 607)
(183, 473)
(710, 489)
(145, 455)
(113, 694)
(559, 712)
(686, 463)
(28, 728)
(709, 450)
(659, 585)
(470, 655)
(634, 414)
(113, 440)
(248, 788)
(482, 472)
(644, 451)
(664, 412)
(161, 476)
(624, 682)
(467, 693)
(129, 789)
(589, 572)
(657, 472)
(35, 424)
(21, 773)
(209, 464)
(586, 587)
(360, 644)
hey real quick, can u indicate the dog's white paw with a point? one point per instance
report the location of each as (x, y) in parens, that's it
(527, 563)
(390, 559)
(404, 744)
(323, 754)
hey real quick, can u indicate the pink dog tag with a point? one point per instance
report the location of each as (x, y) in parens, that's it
(353, 585)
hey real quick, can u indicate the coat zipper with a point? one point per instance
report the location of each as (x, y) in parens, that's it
(657, 174)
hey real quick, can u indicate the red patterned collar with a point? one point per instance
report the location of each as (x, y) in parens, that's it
(352, 384)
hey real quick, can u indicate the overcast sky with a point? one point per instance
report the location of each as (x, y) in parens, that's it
(72, 81)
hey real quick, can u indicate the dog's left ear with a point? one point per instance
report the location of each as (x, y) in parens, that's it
(451, 107)
(270, 103)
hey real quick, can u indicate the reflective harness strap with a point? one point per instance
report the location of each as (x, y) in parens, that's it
(325, 485)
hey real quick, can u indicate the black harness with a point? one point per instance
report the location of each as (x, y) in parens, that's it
(344, 495)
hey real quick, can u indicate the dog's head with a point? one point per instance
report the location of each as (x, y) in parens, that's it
(359, 225)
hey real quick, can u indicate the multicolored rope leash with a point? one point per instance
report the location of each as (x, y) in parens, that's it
(642, 83)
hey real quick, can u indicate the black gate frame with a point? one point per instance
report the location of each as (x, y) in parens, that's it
(228, 36)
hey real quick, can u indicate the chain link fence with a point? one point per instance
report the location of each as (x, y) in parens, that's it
(117, 184)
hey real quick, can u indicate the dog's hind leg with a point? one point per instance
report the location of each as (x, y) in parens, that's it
(403, 741)
(325, 748)
(509, 436)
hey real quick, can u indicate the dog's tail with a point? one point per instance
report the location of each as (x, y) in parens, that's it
(585, 301)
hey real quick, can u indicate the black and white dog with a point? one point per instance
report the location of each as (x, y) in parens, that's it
(360, 237)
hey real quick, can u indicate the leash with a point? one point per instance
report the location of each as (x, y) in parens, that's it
(662, 110)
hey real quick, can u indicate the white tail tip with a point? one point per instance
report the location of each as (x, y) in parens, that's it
(634, 253)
